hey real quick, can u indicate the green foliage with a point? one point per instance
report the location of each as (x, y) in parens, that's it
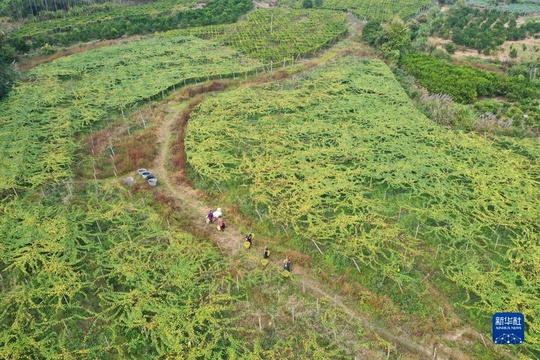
(106, 278)
(372, 32)
(373, 9)
(340, 155)
(26, 8)
(72, 94)
(396, 35)
(6, 78)
(524, 114)
(523, 7)
(463, 83)
(126, 20)
(450, 47)
(307, 4)
(318, 329)
(393, 38)
(47, 49)
(278, 34)
(513, 53)
(7, 75)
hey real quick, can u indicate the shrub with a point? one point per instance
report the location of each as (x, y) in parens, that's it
(464, 83)
(513, 53)
(450, 47)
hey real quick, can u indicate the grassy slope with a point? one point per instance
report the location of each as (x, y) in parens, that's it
(277, 34)
(341, 156)
(396, 199)
(111, 276)
(93, 272)
(75, 93)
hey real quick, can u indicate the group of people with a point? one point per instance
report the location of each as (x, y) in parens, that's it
(217, 215)
(266, 252)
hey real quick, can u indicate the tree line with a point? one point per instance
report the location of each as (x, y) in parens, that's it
(21, 9)
(7, 56)
(124, 23)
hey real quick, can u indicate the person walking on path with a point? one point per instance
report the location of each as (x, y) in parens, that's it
(287, 264)
(249, 239)
(266, 254)
(220, 224)
(210, 216)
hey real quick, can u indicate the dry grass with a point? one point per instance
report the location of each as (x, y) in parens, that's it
(121, 147)
(194, 90)
(135, 152)
(272, 76)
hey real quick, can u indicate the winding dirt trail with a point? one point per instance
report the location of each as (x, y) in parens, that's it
(230, 242)
(183, 193)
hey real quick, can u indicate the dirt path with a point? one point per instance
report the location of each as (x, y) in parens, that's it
(264, 4)
(230, 242)
(184, 194)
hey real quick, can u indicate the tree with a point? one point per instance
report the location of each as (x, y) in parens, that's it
(307, 4)
(513, 53)
(450, 47)
(6, 79)
(371, 32)
(397, 37)
(7, 55)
